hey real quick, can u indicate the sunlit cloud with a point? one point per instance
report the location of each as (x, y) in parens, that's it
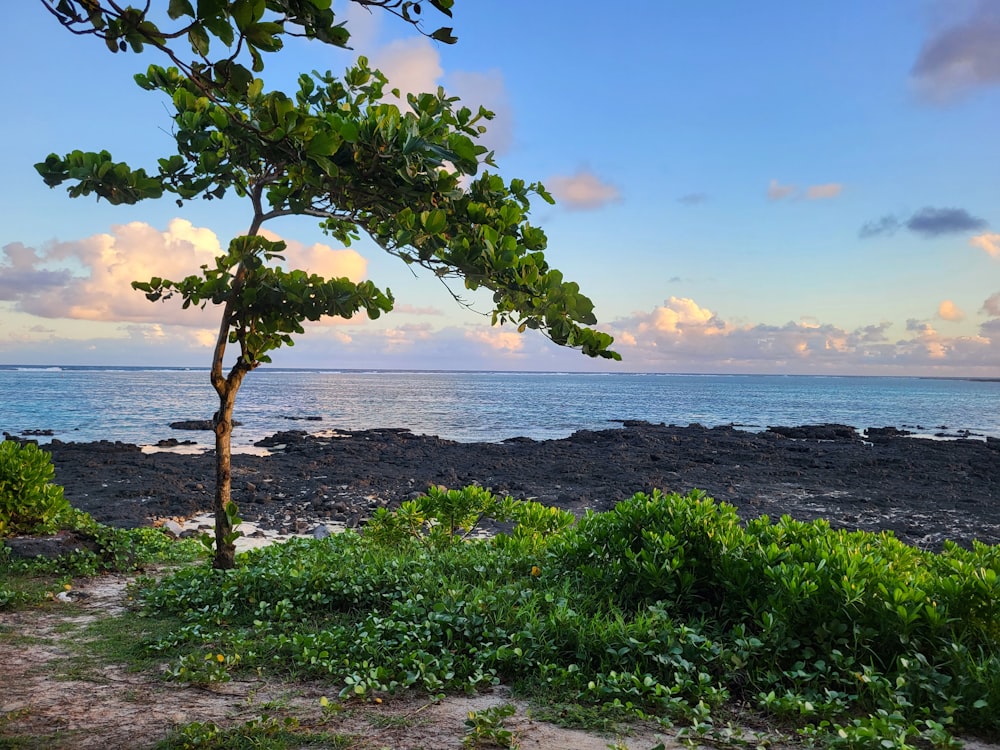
(949, 311)
(824, 192)
(406, 336)
(988, 243)
(777, 191)
(322, 260)
(962, 57)
(497, 339)
(682, 335)
(95, 274)
(583, 191)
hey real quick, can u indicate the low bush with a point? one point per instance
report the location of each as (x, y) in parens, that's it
(29, 502)
(665, 607)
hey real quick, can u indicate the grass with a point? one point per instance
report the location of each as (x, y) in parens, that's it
(263, 733)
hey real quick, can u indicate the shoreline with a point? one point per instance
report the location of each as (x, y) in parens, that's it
(923, 490)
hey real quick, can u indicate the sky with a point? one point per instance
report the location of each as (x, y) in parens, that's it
(768, 187)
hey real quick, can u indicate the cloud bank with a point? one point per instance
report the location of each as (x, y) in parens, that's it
(71, 303)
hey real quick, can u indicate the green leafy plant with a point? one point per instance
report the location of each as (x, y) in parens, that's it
(443, 516)
(29, 501)
(486, 728)
(666, 608)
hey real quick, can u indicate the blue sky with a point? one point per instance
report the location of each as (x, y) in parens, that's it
(766, 187)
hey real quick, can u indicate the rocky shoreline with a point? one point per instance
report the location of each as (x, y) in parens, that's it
(925, 491)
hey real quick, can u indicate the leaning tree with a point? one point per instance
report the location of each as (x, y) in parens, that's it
(342, 151)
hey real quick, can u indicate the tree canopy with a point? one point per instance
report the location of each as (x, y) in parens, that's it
(346, 150)
(338, 151)
(245, 28)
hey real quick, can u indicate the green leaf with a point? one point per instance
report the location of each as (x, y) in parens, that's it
(444, 6)
(198, 38)
(445, 35)
(178, 8)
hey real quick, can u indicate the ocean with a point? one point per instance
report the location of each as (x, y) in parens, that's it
(136, 405)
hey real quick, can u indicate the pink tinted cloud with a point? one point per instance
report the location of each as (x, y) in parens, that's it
(583, 191)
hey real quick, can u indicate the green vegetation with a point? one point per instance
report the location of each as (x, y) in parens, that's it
(262, 733)
(486, 728)
(26, 581)
(29, 502)
(665, 608)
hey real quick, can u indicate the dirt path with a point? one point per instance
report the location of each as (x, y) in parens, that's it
(54, 696)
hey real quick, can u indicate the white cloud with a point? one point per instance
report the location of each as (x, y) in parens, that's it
(405, 336)
(412, 65)
(679, 315)
(988, 243)
(583, 191)
(487, 90)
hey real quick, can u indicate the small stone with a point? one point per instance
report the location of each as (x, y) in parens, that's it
(321, 532)
(173, 528)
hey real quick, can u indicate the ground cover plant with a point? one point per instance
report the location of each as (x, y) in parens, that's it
(666, 607)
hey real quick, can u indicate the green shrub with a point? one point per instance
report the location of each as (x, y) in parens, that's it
(29, 502)
(665, 607)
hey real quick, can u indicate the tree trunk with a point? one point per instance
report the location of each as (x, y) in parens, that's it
(225, 549)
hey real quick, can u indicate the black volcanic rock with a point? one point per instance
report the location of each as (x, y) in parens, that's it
(924, 490)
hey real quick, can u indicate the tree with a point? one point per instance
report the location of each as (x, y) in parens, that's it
(340, 152)
(246, 28)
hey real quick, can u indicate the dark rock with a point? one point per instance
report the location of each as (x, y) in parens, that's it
(51, 547)
(817, 432)
(883, 484)
(198, 424)
(885, 433)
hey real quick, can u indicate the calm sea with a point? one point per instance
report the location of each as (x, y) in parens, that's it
(136, 405)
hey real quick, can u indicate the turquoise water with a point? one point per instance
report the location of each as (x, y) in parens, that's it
(136, 405)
